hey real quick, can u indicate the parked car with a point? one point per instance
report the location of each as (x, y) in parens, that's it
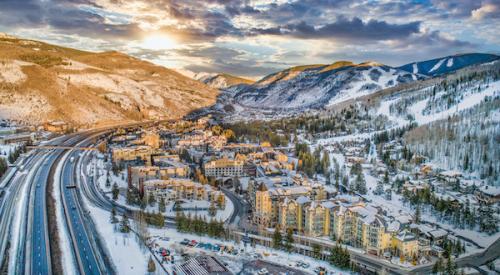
(263, 271)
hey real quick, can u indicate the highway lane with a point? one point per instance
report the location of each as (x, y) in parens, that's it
(40, 243)
(89, 253)
(11, 198)
(38, 246)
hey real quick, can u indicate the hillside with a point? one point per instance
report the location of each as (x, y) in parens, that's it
(448, 64)
(222, 80)
(317, 86)
(40, 82)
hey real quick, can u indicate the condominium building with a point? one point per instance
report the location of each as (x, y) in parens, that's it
(138, 153)
(177, 189)
(268, 202)
(224, 168)
(353, 223)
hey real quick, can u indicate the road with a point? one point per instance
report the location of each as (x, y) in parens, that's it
(40, 242)
(38, 246)
(12, 196)
(26, 172)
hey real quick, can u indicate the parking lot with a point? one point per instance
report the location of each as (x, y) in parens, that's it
(263, 267)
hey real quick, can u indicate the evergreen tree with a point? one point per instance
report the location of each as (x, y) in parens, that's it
(130, 198)
(277, 238)
(417, 214)
(161, 205)
(379, 190)
(316, 251)
(3, 166)
(144, 202)
(115, 191)
(151, 200)
(437, 267)
(325, 163)
(113, 218)
(360, 184)
(125, 225)
(487, 220)
(289, 240)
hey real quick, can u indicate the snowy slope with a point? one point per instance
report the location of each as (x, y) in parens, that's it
(221, 81)
(316, 86)
(444, 65)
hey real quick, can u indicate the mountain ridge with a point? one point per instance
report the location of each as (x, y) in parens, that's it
(221, 80)
(41, 82)
(447, 64)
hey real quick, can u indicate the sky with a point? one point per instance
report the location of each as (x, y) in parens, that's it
(252, 38)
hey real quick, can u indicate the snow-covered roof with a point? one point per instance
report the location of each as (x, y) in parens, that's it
(451, 173)
(302, 200)
(393, 226)
(491, 190)
(438, 233)
(405, 236)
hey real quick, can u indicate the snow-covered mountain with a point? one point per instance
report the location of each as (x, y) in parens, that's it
(222, 80)
(40, 82)
(443, 65)
(316, 86)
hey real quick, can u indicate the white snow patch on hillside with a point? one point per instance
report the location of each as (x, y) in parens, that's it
(384, 109)
(11, 72)
(133, 90)
(355, 90)
(468, 101)
(34, 106)
(449, 63)
(76, 66)
(437, 65)
(415, 68)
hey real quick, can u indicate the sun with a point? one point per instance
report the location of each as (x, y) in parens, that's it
(158, 42)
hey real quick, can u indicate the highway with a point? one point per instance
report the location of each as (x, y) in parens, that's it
(21, 182)
(13, 190)
(40, 242)
(38, 246)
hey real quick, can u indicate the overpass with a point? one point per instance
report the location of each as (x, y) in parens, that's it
(51, 147)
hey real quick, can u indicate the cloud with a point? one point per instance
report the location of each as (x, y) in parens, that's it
(220, 59)
(63, 16)
(347, 29)
(489, 10)
(252, 37)
(417, 47)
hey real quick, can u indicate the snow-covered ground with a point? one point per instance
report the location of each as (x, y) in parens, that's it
(221, 215)
(469, 100)
(128, 256)
(6, 149)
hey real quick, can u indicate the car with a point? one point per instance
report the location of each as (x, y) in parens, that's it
(263, 271)
(320, 270)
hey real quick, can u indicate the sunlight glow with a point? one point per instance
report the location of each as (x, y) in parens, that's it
(158, 42)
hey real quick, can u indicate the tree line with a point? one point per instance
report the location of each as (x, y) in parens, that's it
(199, 225)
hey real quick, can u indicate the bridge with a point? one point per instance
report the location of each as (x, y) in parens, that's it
(50, 147)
